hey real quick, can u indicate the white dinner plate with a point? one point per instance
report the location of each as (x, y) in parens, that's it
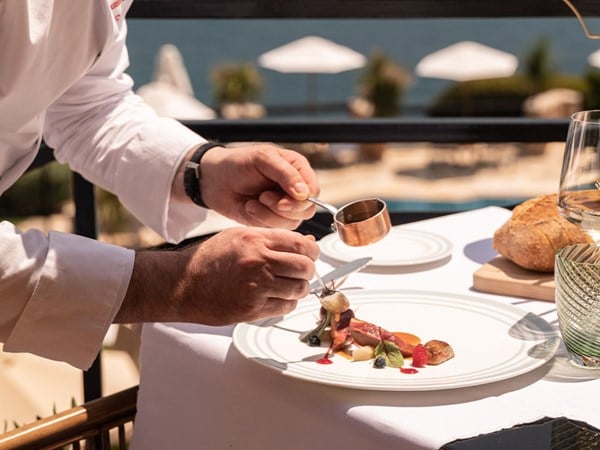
(492, 341)
(401, 247)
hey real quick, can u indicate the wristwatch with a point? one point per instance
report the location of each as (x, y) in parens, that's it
(191, 174)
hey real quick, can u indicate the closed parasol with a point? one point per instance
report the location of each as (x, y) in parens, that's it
(170, 93)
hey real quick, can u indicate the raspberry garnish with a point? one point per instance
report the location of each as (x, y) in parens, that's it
(420, 357)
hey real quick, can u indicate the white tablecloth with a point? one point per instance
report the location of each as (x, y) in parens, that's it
(198, 392)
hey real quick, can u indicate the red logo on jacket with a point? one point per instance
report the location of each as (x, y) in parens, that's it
(115, 6)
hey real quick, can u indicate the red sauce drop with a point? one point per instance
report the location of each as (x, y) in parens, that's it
(325, 359)
(408, 370)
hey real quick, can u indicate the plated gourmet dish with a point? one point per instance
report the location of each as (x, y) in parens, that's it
(359, 340)
(282, 343)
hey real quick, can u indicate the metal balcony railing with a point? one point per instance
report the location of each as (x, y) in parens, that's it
(103, 423)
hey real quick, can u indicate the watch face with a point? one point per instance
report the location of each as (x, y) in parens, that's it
(192, 168)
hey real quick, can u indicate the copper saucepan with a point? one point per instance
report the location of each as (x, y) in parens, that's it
(361, 222)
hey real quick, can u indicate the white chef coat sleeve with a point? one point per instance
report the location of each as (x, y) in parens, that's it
(110, 136)
(48, 306)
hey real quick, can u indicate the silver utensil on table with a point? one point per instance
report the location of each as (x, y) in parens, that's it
(339, 273)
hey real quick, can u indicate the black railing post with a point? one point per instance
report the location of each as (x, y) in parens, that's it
(85, 225)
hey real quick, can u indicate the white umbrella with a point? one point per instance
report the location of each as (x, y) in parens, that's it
(170, 94)
(594, 59)
(467, 60)
(312, 55)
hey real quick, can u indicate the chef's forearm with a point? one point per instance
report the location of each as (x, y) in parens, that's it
(153, 289)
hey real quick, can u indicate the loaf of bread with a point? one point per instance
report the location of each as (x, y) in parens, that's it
(535, 232)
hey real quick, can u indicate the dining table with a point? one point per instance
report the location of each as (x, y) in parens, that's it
(206, 387)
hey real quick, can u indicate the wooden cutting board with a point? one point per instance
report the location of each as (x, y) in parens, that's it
(501, 276)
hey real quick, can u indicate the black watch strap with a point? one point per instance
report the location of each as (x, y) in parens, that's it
(191, 174)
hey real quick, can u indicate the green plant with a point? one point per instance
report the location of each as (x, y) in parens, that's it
(42, 191)
(236, 83)
(489, 97)
(382, 83)
(537, 64)
(592, 95)
(500, 97)
(112, 215)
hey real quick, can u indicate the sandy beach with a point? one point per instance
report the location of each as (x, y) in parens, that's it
(442, 174)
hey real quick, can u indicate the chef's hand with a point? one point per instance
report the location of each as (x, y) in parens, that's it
(258, 185)
(240, 274)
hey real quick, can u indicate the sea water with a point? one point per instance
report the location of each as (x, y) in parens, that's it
(206, 43)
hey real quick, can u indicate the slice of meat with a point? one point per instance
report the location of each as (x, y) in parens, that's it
(438, 351)
(341, 338)
(366, 333)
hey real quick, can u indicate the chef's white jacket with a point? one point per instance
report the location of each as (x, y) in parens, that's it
(62, 77)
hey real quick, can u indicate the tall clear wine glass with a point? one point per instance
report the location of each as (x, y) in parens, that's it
(579, 191)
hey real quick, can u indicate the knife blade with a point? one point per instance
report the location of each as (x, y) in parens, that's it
(340, 272)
